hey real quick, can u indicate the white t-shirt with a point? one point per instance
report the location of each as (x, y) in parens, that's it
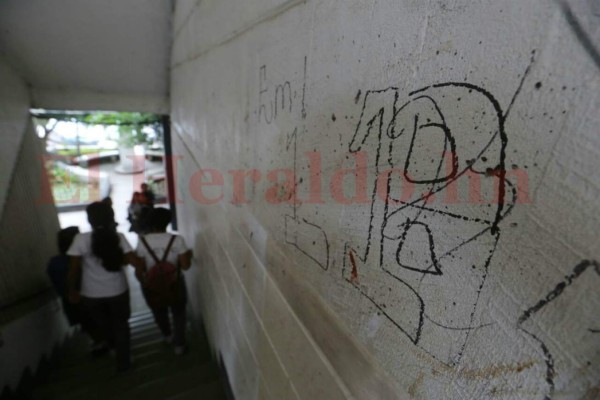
(96, 281)
(159, 242)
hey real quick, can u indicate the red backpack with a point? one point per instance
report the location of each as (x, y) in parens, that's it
(161, 286)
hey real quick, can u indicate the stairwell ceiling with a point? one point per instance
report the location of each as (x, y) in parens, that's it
(90, 54)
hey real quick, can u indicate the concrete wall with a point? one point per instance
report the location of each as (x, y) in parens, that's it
(470, 272)
(14, 117)
(31, 321)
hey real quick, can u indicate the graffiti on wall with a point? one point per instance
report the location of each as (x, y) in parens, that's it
(423, 263)
(307, 237)
(537, 320)
(428, 282)
(284, 99)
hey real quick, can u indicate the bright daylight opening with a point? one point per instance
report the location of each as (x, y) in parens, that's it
(111, 156)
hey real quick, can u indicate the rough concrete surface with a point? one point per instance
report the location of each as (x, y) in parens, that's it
(391, 198)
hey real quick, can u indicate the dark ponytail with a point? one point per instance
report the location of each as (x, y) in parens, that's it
(106, 243)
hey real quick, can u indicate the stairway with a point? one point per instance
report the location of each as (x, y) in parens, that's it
(157, 374)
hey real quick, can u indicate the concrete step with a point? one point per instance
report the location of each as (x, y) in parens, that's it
(213, 391)
(147, 382)
(170, 383)
(157, 373)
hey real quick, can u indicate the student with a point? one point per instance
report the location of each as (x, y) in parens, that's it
(97, 260)
(179, 255)
(57, 270)
(134, 211)
(138, 211)
(149, 197)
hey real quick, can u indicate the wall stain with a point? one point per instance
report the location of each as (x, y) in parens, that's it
(412, 389)
(495, 371)
(592, 393)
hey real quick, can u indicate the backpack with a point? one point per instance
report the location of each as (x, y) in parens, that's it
(162, 286)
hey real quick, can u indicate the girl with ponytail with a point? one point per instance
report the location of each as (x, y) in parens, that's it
(106, 242)
(97, 279)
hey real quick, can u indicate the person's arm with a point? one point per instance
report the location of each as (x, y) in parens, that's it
(129, 257)
(140, 271)
(73, 279)
(185, 260)
(138, 263)
(140, 268)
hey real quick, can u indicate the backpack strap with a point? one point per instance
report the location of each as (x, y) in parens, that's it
(167, 253)
(152, 253)
(168, 248)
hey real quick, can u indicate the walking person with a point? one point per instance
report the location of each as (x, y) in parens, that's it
(162, 256)
(97, 280)
(57, 270)
(149, 196)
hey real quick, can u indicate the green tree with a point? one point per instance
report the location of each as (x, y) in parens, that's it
(130, 125)
(47, 126)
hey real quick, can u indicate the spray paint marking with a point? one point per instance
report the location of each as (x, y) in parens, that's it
(354, 273)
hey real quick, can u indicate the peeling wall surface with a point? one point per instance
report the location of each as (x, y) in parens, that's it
(393, 199)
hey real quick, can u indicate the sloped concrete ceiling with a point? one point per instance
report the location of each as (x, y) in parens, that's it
(84, 54)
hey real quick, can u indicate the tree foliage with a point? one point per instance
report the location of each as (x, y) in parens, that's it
(46, 127)
(121, 118)
(130, 124)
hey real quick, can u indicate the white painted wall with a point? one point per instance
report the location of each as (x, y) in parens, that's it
(30, 325)
(444, 299)
(14, 116)
(29, 338)
(90, 55)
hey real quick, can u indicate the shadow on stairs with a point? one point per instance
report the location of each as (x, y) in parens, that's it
(157, 374)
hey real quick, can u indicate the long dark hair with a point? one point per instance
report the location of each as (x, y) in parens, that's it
(105, 239)
(65, 238)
